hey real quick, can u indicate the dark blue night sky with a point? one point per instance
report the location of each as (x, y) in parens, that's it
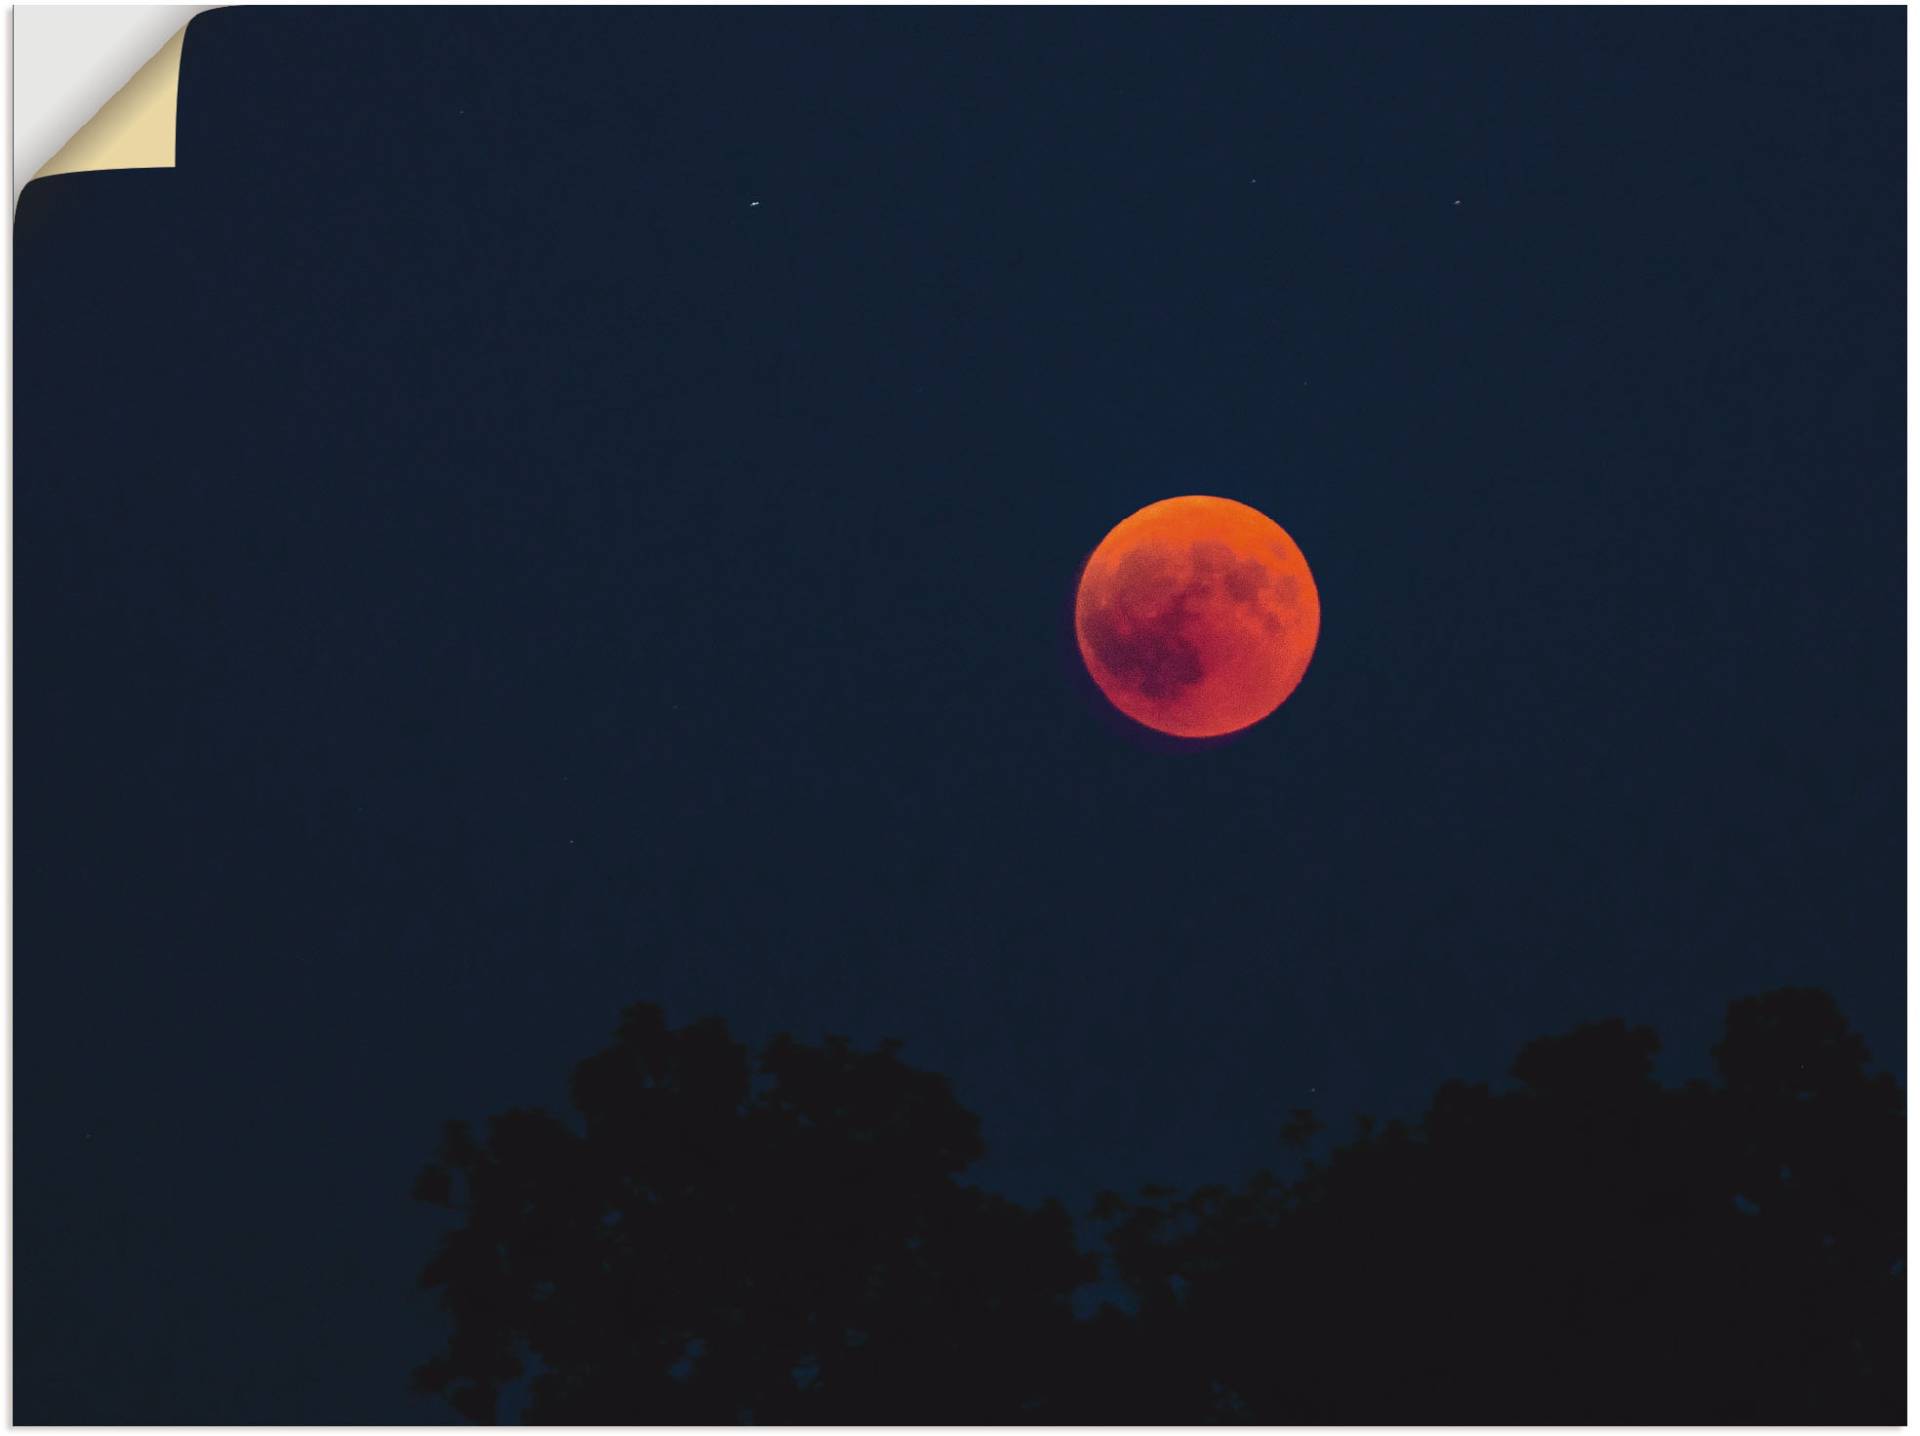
(588, 512)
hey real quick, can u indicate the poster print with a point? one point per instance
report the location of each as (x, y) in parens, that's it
(1003, 716)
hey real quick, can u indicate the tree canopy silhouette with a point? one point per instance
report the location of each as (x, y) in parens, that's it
(719, 1246)
(717, 1240)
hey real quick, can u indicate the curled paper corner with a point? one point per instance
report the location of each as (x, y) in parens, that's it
(136, 127)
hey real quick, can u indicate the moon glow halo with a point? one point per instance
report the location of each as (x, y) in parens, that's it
(1197, 616)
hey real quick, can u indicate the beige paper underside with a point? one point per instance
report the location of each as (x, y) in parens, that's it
(135, 129)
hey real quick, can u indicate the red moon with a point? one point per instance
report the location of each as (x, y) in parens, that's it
(1197, 616)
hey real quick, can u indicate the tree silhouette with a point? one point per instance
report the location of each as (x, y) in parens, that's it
(1591, 1248)
(716, 1248)
(795, 1246)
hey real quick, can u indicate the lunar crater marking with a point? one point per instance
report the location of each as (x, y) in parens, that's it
(1136, 627)
(1139, 626)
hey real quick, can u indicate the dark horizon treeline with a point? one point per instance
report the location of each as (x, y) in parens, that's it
(788, 1241)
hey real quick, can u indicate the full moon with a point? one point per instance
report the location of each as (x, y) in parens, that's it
(1197, 616)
